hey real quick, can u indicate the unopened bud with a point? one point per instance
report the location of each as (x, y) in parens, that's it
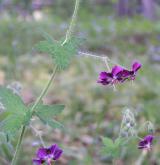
(2, 108)
(16, 87)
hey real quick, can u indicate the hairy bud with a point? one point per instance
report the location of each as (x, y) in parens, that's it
(16, 87)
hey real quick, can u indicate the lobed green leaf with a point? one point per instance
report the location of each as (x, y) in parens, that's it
(45, 47)
(49, 111)
(12, 103)
(52, 123)
(15, 112)
(61, 54)
(46, 113)
(107, 142)
(112, 148)
(11, 124)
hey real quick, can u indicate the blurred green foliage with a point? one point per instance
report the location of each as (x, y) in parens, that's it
(101, 32)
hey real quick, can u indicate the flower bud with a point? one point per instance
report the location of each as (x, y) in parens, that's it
(16, 87)
(2, 108)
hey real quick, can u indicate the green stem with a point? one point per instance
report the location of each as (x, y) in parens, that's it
(68, 36)
(141, 158)
(44, 90)
(32, 110)
(113, 162)
(73, 22)
(14, 159)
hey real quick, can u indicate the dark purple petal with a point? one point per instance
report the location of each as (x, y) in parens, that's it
(146, 142)
(103, 82)
(57, 154)
(126, 73)
(142, 144)
(41, 153)
(105, 78)
(116, 70)
(38, 161)
(53, 148)
(149, 138)
(141, 147)
(136, 66)
(103, 75)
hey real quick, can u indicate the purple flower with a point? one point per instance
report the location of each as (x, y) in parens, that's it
(47, 155)
(146, 142)
(118, 74)
(112, 77)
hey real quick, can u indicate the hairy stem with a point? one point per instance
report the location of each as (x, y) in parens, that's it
(100, 57)
(44, 90)
(39, 134)
(108, 67)
(114, 162)
(72, 23)
(14, 160)
(68, 36)
(141, 158)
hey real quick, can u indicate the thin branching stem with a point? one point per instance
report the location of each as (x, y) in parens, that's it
(108, 67)
(39, 134)
(100, 57)
(68, 36)
(14, 160)
(105, 59)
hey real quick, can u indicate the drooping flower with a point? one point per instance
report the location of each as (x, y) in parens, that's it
(112, 77)
(146, 142)
(47, 155)
(118, 74)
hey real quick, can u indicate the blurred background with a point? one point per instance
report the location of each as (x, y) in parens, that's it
(124, 30)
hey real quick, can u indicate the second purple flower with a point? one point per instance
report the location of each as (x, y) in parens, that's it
(146, 142)
(47, 155)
